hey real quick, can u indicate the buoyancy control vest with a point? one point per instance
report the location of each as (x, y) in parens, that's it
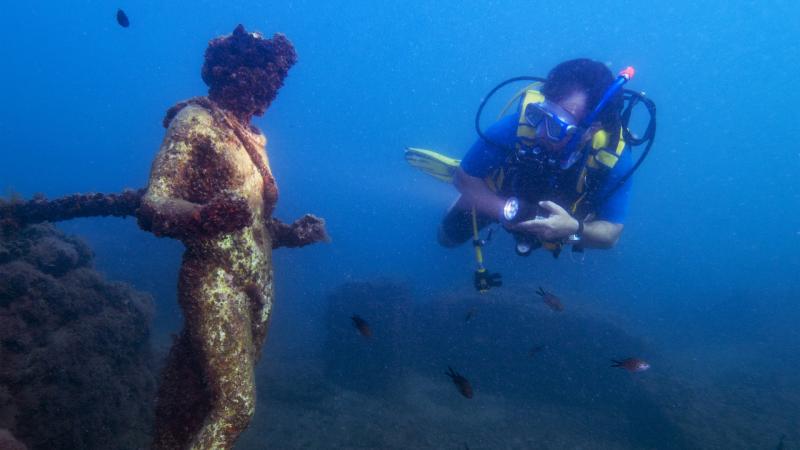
(528, 177)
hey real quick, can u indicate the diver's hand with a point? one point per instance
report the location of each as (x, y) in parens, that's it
(558, 225)
(223, 214)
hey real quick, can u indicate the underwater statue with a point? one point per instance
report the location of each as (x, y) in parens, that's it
(212, 188)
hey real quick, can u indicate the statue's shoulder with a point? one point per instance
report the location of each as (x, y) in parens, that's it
(195, 111)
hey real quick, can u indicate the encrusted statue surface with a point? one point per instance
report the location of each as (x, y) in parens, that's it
(212, 188)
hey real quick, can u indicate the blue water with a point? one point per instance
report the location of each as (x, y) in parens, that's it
(705, 274)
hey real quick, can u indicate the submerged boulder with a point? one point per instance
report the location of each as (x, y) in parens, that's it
(77, 369)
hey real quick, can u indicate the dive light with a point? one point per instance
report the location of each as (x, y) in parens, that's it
(511, 209)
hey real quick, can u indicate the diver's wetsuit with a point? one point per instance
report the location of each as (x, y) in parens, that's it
(483, 158)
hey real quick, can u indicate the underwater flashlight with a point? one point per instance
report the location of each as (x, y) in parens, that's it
(511, 209)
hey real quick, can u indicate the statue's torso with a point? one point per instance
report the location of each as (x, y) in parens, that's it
(220, 163)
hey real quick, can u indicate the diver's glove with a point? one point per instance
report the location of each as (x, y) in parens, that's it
(485, 280)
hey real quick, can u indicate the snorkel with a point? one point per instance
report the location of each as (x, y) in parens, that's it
(571, 153)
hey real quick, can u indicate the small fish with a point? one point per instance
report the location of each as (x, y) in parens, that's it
(122, 19)
(461, 383)
(781, 445)
(550, 300)
(631, 364)
(470, 314)
(361, 325)
(535, 350)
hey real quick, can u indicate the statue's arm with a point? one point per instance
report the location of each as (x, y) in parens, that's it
(170, 207)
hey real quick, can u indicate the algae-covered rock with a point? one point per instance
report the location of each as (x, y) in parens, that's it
(77, 370)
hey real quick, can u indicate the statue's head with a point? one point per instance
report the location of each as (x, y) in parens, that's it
(244, 70)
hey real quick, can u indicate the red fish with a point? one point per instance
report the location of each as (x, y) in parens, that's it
(631, 364)
(361, 325)
(461, 383)
(550, 300)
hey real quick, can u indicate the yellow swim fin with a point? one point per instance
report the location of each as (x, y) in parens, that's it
(434, 164)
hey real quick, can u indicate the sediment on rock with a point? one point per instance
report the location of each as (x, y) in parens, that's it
(77, 370)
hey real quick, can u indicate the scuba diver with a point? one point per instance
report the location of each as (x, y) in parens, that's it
(556, 171)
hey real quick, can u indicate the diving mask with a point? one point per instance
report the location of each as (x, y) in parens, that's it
(557, 126)
(555, 122)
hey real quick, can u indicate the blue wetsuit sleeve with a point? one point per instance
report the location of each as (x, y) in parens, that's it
(616, 207)
(484, 157)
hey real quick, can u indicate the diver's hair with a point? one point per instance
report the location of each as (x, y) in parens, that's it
(244, 71)
(593, 78)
